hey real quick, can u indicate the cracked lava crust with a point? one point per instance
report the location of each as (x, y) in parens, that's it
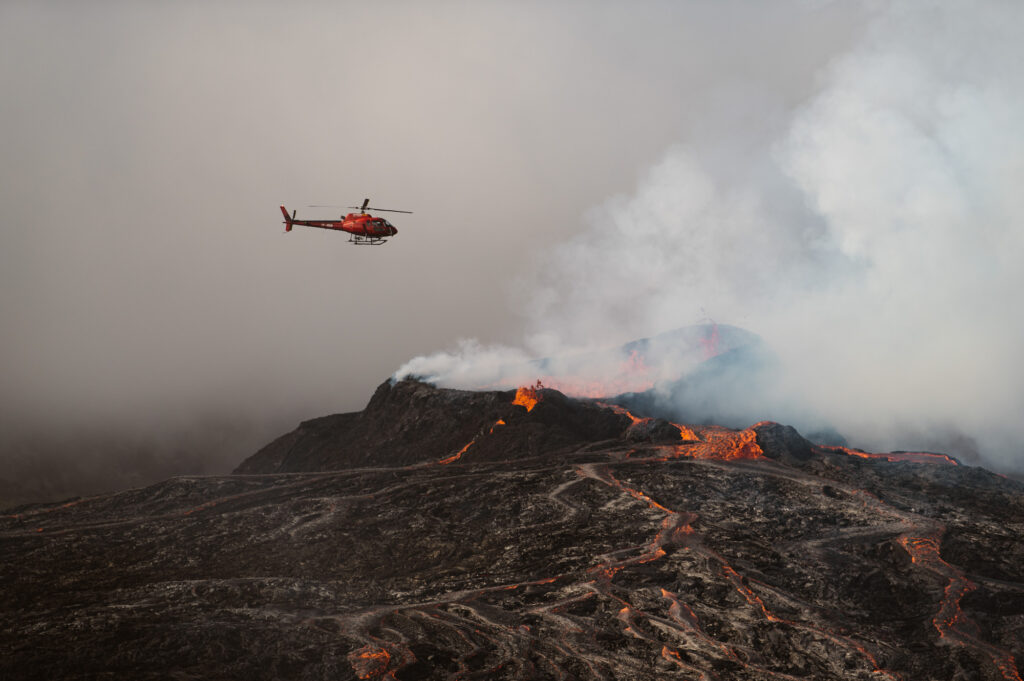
(444, 534)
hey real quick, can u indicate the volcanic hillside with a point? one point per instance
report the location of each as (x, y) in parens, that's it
(443, 534)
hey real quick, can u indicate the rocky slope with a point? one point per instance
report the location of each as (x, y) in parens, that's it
(443, 534)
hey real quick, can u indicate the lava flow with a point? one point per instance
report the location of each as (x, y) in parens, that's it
(684, 433)
(570, 544)
(713, 442)
(913, 457)
(950, 621)
(716, 442)
(458, 455)
(677, 530)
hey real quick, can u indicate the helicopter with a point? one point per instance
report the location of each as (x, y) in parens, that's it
(363, 228)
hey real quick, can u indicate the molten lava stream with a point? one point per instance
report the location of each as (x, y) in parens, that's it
(628, 616)
(950, 620)
(923, 548)
(684, 433)
(686, 617)
(458, 455)
(676, 528)
(621, 411)
(753, 599)
(913, 457)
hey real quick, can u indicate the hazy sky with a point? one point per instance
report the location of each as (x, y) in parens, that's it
(144, 148)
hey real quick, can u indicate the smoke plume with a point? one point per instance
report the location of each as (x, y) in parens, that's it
(873, 236)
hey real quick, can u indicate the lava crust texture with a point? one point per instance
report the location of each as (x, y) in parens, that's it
(454, 535)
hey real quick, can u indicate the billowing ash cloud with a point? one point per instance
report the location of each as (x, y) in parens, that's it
(873, 236)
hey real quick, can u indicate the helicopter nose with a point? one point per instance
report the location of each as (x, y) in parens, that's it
(394, 231)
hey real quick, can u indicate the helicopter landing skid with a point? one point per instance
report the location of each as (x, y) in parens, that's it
(366, 240)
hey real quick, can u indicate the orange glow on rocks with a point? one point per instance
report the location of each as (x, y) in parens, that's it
(369, 661)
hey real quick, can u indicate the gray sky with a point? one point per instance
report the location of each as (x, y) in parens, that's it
(146, 147)
(145, 279)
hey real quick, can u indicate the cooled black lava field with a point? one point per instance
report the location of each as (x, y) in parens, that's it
(444, 534)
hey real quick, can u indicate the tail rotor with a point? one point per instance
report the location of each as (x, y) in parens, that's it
(288, 218)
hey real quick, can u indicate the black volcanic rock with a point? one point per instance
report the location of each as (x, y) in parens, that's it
(408, 422)
(653, 430)
(782, 443)
(426, 540)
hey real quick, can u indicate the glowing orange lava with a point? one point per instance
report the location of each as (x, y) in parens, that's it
(671, 655)
(676, 528)
(528, 396)
(950, 621)
(721, 443)
(458, 455)
(686, 433)
(622, 411)
(369, 661)
(914, 457)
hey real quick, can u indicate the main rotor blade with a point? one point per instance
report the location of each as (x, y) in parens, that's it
(365, 208)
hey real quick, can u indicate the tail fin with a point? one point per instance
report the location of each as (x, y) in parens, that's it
(287, 219)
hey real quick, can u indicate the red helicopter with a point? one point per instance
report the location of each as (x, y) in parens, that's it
(363, 228)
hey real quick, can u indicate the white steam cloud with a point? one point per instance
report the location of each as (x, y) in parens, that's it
(873, 236)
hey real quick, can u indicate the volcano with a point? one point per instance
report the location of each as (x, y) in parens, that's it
(523, 534)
